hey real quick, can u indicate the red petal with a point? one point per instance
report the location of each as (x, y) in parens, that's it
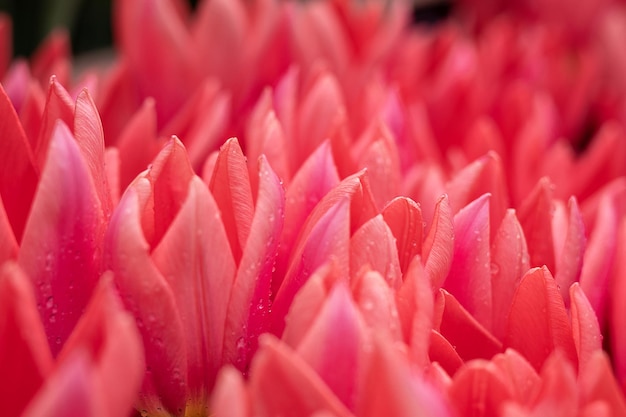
(250, 303)
(522, 378)
(618, 307)
(404, 218)
(25, 358)
(558, 393)
(333, 345)
(469, 279)
(230, 185)
(281, 383)
(509, 263)
(479, 390)
(390, 388)
(442, 352)
(373, 246)
(18, 177)
(8, 243)
(439, 244)
(61, 247)
(201, 284)
(469, 338)
(147, 296)
(6, 49)
(107, 333)
(538, 322)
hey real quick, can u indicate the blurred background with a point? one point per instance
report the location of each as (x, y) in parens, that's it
(89, 21)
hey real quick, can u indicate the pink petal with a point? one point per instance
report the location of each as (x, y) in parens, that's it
(168, 73)
(522, 378)
(469, 279)
(281, 383)
(138, 143)
(309, 185)
(90, 138)
(390, 388)
(230, 396)
(61, 247)
(377, 305)
(109, 336)
(19, 176)
(201, 284)
(404, 218)
(479, 389)
(52, 58)
(557, 395)
(230, 185)
(59, 106)
(538, 323)
(535, 217)
(597, 383)
(146, 294)
(415, 304)
(570, 258)
(25, 359)
(618, 307)
(8, 243)
(469, 338)
(333, 345)
(169, 175)
(585, 327)
(443, 353)
(373, 246)
(439, 244)
(250, 303)
(509, 263)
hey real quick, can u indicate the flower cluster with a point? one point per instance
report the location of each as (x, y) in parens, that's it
(280, 208)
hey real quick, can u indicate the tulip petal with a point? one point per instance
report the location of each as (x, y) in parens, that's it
(570, 258)
(469, 337)
(201, 284)
(25, 359)
(61, 247)
(390, 388)
(147, 296)
(309, 185)
(439, 244)
(250, 303)
(373, 246)
(281, 383)
(538, 322)
(333, 345)
(522, 377)
(109, 336)
(18, 178)
(535, 217)
(597, 383)
(59, 106)
(509, 263)
(585, 327)
(557, 395)
(442, 352)
(404, 218)
(230, 185)
(478, 389)
(8, 243)
(230, 397)
(469, 279)
(618, 307)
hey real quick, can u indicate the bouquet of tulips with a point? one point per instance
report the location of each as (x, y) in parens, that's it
(280, 208)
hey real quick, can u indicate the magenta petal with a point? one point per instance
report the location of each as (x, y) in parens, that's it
(201, 284)
(147, 296)
(439, 244)
(373, 246)
(61, 247)
(469, 279)
(250, 303)
(18, 177)
(25, 359)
